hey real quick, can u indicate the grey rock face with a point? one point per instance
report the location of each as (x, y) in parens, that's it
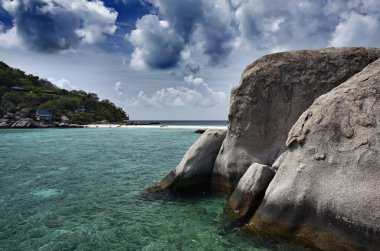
(25, 112)
(9, 115)
(193, 173)
(327, 188)
(272, 94)
(250, 191)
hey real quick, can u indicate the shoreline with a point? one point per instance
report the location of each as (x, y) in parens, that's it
(154, 126)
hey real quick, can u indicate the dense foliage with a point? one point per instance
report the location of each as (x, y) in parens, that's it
(40, 93)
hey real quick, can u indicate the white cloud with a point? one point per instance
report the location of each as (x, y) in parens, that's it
(118, 87)
(9, 38)
(197, 93)
(356, 29)
(98, 20)
(62, 83)
(293, 24)
(190, 79)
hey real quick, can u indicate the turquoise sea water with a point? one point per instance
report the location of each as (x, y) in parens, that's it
(83, 189)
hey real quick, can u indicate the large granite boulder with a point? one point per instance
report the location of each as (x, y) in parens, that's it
(273, 93)
(250, 191)
(193, 173)
(327, 188)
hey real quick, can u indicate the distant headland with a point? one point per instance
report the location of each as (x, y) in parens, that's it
(27, 101)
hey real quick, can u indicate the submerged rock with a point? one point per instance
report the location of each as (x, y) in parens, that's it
(273, 93)
(327, 191)
(193, 173)
(250, 191)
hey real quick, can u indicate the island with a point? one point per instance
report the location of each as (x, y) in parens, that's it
(27, 101)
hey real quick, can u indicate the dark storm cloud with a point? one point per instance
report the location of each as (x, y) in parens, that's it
(158, 44)
(193, 21)
(217, 28)
(216, 31)
(163, 34)
(192, 68)
(44, 31)
(183, 15)
(51, 25)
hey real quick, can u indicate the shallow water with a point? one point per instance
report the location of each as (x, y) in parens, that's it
(83, 189)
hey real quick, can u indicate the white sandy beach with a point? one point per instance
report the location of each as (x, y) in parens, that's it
(155, 126)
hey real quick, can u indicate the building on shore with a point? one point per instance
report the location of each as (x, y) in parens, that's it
(44, 114)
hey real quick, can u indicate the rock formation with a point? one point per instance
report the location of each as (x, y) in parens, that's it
(273, 93)
(4, 124)
(327, 189)
(24, 123)
(311, 119)
(20, 120)
(250, 191)
(193, 173)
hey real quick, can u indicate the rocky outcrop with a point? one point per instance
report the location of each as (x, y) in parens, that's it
(327, 191)
(24, 123)
(273, 93)
(193, 173)
(250, 191)
(25, 113)
(9, 115)
(4, 124)
(18, 122)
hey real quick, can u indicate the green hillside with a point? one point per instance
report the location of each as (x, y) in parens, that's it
(19, 90)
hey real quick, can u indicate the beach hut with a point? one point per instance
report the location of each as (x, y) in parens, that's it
(18, 89)
(44, 114)
(48, 92)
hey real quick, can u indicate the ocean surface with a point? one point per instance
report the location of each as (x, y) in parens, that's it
(83, 189)
(195, 123)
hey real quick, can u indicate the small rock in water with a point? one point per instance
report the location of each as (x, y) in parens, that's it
(200, 131)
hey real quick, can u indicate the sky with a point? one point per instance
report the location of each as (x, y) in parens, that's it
(171, 59)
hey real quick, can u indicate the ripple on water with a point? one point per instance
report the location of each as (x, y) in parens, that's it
(47, 193)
